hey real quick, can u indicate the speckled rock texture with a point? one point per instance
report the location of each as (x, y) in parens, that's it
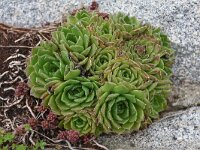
(180, 20)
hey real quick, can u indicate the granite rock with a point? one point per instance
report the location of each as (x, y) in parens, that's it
(177, 131)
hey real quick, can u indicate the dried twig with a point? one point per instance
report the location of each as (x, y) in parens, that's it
(10, 122)
(55, 141)
(21, 38)
(44, 37)
(24, 137)
(12, 104)
(46, 29)
(30, 110)
(30, 138)
(14, 46)
(99, 145)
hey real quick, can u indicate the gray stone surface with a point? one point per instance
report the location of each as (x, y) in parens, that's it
(185, 94)
(180, 131)
(31, 13)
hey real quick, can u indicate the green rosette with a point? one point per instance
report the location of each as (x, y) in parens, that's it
(79, 42)
(125, 27)
(82, 121)
(84, 18)
(124, 23)
(46, 63)
(125, 70)
(101, 29)
(102, 59)
(152, 49)
(74, 94)
(158, 94)
(119, 108)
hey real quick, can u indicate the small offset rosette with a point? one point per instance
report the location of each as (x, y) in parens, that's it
(102, 59)
(82, 121)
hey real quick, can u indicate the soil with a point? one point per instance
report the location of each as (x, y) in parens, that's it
(15, 46)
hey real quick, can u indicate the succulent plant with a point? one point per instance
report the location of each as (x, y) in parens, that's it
(45, 67)
(83, 121)
(123, 70)
(74, 94)
(120, 108)
(101, 60)
(102, 73)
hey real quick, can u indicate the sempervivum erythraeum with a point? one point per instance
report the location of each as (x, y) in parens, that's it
(125, 70)
(73, 94)
(120, 108)
(151, 49)
(102, 59)
(79, 41)
(97, 25)
(102, 74)
(46, 64)
(83, 121)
